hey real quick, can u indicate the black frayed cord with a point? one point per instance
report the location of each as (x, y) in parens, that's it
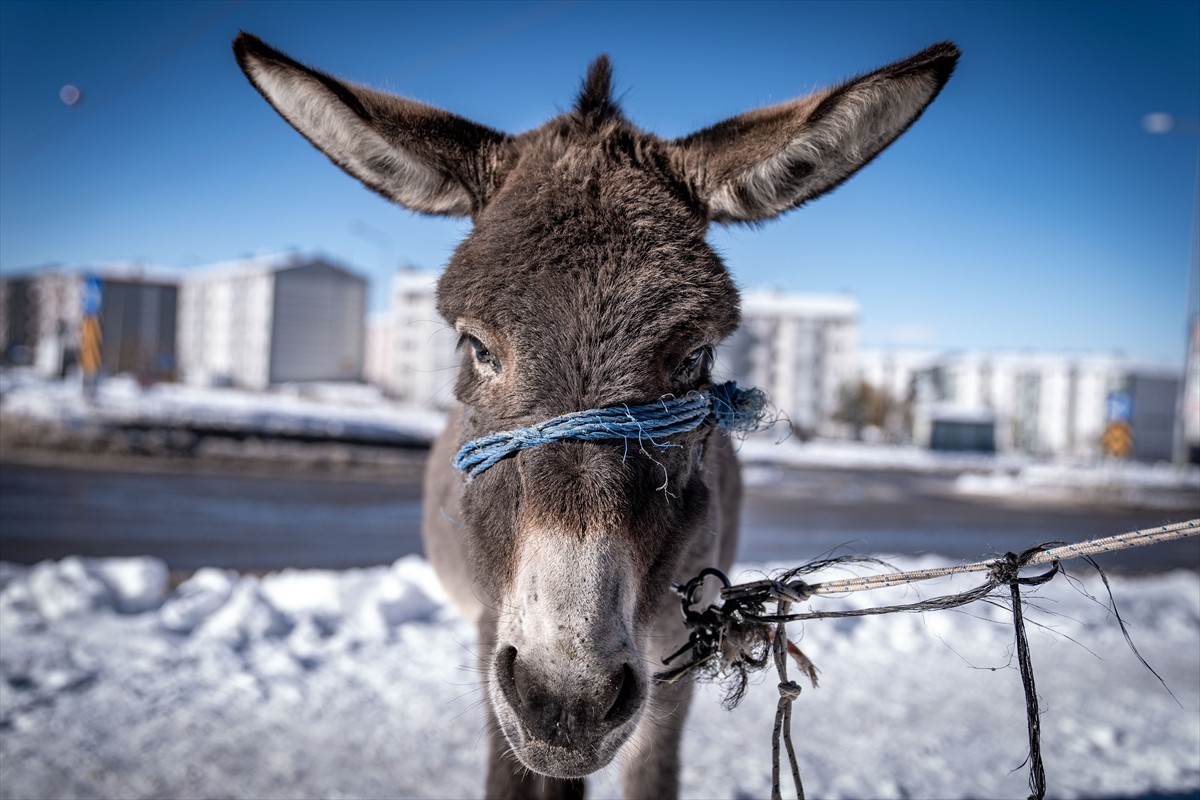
(1008, 570)
(789, 690)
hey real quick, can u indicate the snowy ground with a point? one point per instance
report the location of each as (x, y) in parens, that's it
(360, 684)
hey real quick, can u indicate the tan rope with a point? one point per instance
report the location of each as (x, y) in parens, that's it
(1121, 541)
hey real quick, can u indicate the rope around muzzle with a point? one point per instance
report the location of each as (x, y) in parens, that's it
(725, 405)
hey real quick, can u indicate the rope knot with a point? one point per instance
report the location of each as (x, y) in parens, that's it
(796, 591)
(789, 690)
(1006, 571)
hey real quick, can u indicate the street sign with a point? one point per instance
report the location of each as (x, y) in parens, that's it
(93, 296)
(1119, 406)
(1117, 440)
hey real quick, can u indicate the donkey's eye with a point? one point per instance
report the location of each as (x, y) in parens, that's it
(483, 357)
(695, 365)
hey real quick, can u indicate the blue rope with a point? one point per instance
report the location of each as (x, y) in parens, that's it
(725, 405)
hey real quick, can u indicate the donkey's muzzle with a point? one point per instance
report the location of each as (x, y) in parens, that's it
(567, 730)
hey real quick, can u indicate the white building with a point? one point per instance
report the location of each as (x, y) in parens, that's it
(1190, 397)
(271, 319)
(798, 348)
(1042, 403)
(376, 349)
(412, 349)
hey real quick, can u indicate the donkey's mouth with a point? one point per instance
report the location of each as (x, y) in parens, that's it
(560, 762)
(564, 731)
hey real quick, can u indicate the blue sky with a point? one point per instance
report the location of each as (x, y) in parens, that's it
(1027, 208)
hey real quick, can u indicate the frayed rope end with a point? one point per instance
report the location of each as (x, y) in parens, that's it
(737, 409)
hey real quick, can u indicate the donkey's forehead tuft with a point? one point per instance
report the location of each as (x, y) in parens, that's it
(595, 104)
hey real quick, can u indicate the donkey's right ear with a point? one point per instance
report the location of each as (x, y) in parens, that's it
(421, 157)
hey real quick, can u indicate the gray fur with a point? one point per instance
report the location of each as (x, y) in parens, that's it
(587, 282)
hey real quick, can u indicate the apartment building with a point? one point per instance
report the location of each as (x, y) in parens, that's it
(272, 319)
(1038, 402)
(413, 356)
(799, 348)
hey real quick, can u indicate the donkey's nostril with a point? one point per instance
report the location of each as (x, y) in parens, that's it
(521, 685)
(506, 674)
(627, 696)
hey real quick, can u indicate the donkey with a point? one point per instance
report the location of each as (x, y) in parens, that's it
(586, 283)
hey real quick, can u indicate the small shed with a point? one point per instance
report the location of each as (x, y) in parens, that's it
(962, 430)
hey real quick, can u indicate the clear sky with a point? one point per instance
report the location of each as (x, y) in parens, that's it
(1027, 208)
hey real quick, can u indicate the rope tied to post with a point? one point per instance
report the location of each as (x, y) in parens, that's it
(724, 405)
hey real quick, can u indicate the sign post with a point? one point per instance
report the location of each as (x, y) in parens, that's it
(1117, 440)
(90, 337)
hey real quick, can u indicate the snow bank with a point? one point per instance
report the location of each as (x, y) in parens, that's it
(1124, 482)
(1001, 475)
(316, 410)
(766, 448)
(363, 683)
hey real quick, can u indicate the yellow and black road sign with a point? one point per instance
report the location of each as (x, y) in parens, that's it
(1118, 439)
(89, 345)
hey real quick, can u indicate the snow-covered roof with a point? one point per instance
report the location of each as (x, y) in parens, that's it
(1052, 360)
(263, 264)
(112, 269)
(775, 302)
(415, 280)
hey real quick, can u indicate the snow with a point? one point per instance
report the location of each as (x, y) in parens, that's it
(260, 264)
(115, 270)
(769, 301)
(1002, 475)
(363, 684)
(768, 448)
(1125, 482)
(333, 410)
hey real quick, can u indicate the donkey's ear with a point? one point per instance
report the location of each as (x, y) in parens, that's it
(421, 157)
(762, 163)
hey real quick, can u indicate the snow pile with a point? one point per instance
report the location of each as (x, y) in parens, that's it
(1125, 482)
(998, 475)
(363, 683)
(766, 448)
(356, 411)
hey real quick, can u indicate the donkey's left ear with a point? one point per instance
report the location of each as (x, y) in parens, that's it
(424, 158)
(755, 166)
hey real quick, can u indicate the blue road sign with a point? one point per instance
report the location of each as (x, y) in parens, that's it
(93, 296)
(1119, 407)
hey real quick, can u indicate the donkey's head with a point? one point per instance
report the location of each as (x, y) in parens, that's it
(587, 282)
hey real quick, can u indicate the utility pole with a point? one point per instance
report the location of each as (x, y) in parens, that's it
(1187, 400)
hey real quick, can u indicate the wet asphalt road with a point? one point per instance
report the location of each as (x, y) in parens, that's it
(266, 522)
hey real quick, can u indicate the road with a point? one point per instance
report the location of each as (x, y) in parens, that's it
(267, 522)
